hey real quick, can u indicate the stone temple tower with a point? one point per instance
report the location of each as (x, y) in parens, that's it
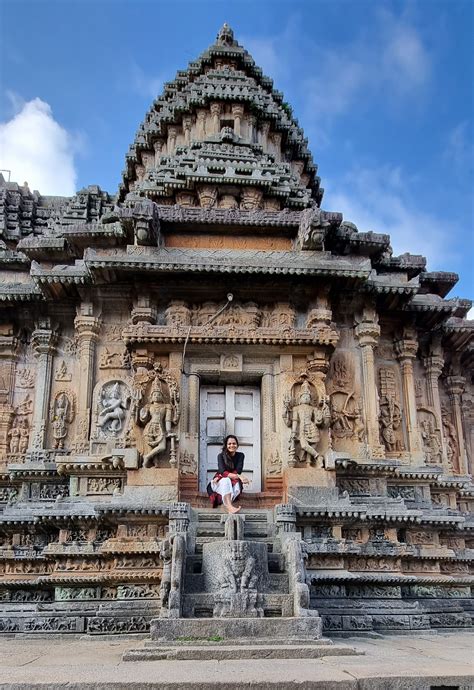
(213, 295)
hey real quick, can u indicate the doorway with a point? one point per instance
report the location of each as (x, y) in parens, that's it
(230, 410)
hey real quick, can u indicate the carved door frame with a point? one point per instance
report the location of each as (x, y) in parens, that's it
(208, 370)
(227, 418)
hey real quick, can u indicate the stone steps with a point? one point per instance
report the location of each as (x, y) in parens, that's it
(207, 652)
(279, 629)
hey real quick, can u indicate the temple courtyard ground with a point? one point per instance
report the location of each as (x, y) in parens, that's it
(426, 661)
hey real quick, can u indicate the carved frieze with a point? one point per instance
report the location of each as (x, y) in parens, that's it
(245, 322)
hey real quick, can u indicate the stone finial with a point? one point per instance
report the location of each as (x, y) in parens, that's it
(225, 37)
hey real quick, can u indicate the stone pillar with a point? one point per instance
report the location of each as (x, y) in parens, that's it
(43, 339)
(406, 348)
(455, 386)
(215, 112)
(251, 123)
(434, 364)
(367, 332)
(87, 330)
(201, 124)
(8, 354)
(237, 112)
(187, 123)
(193, 404)
(264, 129)
(171, 144)
(158, 147)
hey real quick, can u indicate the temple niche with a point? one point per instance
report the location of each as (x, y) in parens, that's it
(212, 294)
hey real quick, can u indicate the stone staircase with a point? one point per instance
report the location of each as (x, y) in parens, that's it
(239, 596)
(209, 528)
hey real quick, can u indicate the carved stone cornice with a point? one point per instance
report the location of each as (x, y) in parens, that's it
(149, 333)
(8, 346)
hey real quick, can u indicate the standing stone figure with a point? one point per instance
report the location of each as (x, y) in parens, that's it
(14, 435)
(24, 436)
(305, 420)
(61, 417)
(158, 427)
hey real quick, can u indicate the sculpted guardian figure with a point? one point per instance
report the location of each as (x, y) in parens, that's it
(305, 420)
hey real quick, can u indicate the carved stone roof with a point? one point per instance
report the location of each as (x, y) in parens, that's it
(224, 75)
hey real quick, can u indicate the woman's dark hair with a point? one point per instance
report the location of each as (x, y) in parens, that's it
(228, 460)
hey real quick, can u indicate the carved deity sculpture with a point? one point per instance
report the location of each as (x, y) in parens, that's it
(305, 420)
(24, 436)
(113, 410)
(14, 435)
(61, 415)
(450, 434)
(390, 422)
(158, 416)
(431, 443)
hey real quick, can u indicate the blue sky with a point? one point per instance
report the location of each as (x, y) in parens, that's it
(383, 90)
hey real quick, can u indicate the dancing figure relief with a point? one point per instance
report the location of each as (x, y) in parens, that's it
(113, 405)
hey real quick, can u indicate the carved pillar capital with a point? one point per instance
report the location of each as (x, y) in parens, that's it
(87, 327)
(142, 359)
(143, 310)
(215, 108)
(237, 109)
(406, 348)
(434, 365)
(44, 341)
(367, 333)
(455, 385)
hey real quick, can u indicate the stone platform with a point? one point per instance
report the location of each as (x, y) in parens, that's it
(236, 628)
(412, 662)
(221, 652)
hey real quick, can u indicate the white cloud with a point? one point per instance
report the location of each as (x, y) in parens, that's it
(38, 150)
(391, 62)
(146, 85)
(377, 201)
(459, 148)
(266, 54)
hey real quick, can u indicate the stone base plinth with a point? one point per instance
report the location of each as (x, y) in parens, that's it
(310, 486)
(169, 629)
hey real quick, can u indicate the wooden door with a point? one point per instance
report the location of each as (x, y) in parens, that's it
(230, 410)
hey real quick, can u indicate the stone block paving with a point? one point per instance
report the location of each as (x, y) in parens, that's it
(442, 661)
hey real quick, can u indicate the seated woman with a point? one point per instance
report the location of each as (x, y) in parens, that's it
(228, 482)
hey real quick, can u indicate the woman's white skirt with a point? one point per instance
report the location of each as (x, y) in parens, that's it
(224, 486)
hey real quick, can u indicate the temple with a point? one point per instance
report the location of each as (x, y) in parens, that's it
(212, 294)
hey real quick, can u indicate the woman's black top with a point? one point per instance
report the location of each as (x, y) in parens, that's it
(238, 462)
